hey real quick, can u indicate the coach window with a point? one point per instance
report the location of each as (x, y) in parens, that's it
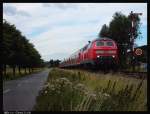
(99, 43)
(109, 43)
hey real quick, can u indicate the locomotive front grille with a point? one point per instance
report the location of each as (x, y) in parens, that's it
(106, 52)
(105, 60)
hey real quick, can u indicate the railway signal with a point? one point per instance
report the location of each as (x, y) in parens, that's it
(133, 21)
(138, 52)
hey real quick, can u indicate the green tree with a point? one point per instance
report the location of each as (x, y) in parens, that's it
(7, 52)
(104, 32)
(51, 62)
(54, 63)
(119, 30)
(17, 51)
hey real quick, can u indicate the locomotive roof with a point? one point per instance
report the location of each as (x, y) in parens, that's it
(104, 38)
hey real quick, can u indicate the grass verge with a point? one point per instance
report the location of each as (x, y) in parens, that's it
(77, 90)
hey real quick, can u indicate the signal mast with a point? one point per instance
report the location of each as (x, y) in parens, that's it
(133, 17)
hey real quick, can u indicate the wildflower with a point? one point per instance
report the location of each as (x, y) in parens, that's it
(80, 86)
(81, 89)
(86, 93)
(93, 96)
(45, 92)
(52, 87)
(46, 85)
(100, 93)
(69, 83)
(106, 95)
(62, 80)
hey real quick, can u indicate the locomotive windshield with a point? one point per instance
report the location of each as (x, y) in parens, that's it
(109, 43)
(99, 43)
(102, 43)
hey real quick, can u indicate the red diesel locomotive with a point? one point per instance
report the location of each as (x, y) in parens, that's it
(99, 53)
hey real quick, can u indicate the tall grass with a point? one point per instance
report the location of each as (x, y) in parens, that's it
(74, 90)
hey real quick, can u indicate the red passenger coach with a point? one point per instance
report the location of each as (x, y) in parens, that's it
(99, 53)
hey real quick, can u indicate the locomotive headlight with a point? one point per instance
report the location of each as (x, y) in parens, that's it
(98, 56)
(113, 56)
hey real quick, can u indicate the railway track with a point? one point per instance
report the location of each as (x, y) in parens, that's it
(140, 75)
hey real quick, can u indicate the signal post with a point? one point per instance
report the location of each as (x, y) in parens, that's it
(133, 21)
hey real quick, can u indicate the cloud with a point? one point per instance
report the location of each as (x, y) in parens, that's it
(23, 13)
(59, 56)
(11, 11)
(62, 39)
(59, 29)
(61, 6)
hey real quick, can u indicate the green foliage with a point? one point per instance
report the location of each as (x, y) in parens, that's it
(16, 50)
(104, 31)
(54, 63)
(119, 30)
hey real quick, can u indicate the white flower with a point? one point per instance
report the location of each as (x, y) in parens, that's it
(45, 92)
(106, 95)
(93, 96)
(47, 85)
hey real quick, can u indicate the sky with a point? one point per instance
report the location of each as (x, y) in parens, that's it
(59, 29)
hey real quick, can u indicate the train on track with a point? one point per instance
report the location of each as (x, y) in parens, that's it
(101, 53)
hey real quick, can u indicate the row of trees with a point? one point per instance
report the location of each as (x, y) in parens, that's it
(54, 63)
(17, 51)
(119, 29)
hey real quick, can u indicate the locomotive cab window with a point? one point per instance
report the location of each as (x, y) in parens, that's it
(109, 43)
(99, 43)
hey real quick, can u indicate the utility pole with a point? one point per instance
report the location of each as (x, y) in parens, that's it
(133, 21)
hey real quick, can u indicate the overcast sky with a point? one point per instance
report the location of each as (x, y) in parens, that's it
(59, 29)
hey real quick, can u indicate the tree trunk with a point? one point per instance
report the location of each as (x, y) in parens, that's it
(25, 70)
(1, 70)
(19, 69)
(14, 72)
(4, 69)
(29, 69)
